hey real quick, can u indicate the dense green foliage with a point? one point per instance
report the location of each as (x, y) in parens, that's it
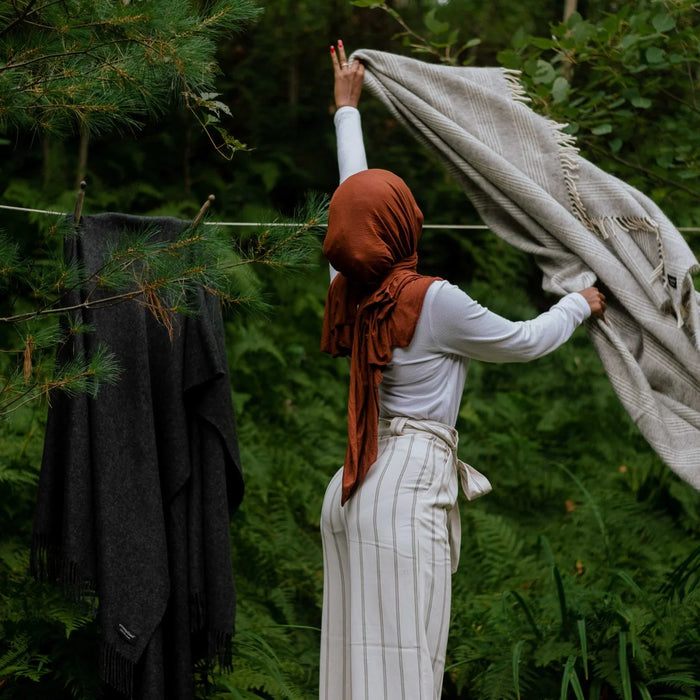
(618, 83)
(580, 573)
(615, 78)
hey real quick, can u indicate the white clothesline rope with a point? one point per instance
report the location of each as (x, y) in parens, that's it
(253, 223)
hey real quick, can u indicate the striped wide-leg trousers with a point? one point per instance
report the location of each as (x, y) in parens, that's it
(387, 569)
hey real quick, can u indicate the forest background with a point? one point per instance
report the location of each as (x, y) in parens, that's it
(579, 573)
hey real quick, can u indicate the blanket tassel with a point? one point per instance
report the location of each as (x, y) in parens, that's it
(117, 671)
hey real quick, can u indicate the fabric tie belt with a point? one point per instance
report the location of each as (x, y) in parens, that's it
(474, 483)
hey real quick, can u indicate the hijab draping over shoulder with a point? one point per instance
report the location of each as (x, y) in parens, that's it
(374, 302)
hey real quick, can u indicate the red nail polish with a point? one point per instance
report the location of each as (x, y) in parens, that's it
(332, 49)
(340, 43)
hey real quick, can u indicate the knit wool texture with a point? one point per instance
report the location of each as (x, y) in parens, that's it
(137, 485)
(533, 189)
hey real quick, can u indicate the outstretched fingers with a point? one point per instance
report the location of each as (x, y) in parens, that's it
(339, 59)
(341, 54)
(334, 60)
(348, 77)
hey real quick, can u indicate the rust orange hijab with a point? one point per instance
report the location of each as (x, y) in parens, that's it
(374, 302)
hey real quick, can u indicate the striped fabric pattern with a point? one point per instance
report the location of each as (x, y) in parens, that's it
(532, 188)
(387, 570)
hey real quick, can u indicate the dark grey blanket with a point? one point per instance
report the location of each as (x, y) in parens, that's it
(138, 484)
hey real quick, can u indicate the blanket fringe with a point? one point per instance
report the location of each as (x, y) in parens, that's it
(47, 564)
(116, 670)
(221, 649)
(644, 223)
(512, 78)
(568, 157)
(44, 558)
(604, 227)
(639, 223)
(217, 644)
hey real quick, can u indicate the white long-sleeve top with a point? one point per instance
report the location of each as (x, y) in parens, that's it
(425, 380)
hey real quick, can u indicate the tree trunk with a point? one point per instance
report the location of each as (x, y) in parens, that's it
(82, 157)
(186, 162)
(570, 6)
(46, 156)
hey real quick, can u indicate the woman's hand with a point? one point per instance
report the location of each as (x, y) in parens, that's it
(348, 78)
(596, 300)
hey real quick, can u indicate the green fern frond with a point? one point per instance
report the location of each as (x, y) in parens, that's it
(499, 544)
(685, 578)
(20, 660)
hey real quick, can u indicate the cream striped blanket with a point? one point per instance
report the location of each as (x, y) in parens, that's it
(532, 188)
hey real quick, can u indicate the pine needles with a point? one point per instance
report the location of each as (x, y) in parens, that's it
(104, 66)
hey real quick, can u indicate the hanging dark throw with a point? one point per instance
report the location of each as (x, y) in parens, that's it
(138, 484)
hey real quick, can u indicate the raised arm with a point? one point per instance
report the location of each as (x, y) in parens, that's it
(348, 77)
(347, 87)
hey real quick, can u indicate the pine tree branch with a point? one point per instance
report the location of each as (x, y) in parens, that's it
(35, 390)
(692, 106)
(25, 13)
(136, 63)
(147, 289)
(28, 395)
(423, 43)
(100, 64)
(269, 252)
(119, 263)
(77, 108)
(7, 383)
(51, 311)
(64, 54)
(28, 11)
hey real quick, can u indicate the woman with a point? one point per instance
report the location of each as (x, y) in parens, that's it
(390, 524)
